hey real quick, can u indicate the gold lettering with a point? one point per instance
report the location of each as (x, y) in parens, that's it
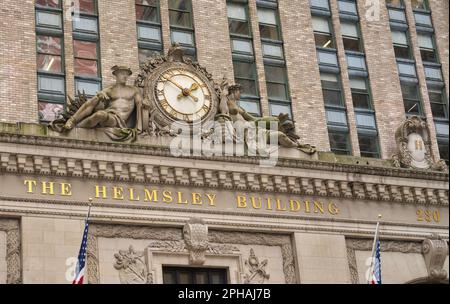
(131, 190)
(30, 184)
(180, 199)
(196, 199)
(167, 197)
(212, 199)
(297, 205)
(241, 201)
(66, 189)
(255, 205)
(279, 206)
(103, 192)
(118, 193)
(269, 204)
(48, 188)
(333, 209)
(151, 196)
(307, 208)
(318, 206)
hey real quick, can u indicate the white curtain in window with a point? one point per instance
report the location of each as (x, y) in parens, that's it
(399, 37)
(320, 24)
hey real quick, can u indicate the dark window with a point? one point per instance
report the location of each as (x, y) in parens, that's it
(438, 103)
(245, 74)
(419, 4)
(350, 36)
(401, 44)
(331, 89)
(339, 142)
(368, 145)
(182, 24)
(395, 3)
(443, 150)
(322, 32)
(411, 98)
(178, 275)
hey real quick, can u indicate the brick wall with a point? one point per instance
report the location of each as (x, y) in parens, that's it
(18, 77)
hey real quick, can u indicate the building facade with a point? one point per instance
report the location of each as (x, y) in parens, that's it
(365, 82)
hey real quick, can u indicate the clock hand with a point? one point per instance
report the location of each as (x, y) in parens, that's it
(173, 82)
(188, 92)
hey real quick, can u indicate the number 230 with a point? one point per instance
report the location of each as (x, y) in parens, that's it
(428, 216)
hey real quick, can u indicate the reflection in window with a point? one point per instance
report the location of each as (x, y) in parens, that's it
(182, 25)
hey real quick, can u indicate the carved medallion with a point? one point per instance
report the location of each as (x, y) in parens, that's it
(257, 271)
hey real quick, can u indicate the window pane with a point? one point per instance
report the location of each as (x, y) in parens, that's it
(399, 37)
(85, 67)
(406, 68)
(48, 19)
(365, 120)
(182, 37)
(85, 24)
(320, 3)
(49, 63)
(250, 106)
(410, 91)
(48, 3)
(49, 111)
(401, 52)
(275, 74)
(87, 6)
(332, 98)
(149, 33)
(360, 101)
(412, 107)
(85, 49)
(320, 24)
(239, 27)
(327, 58)
(438, 110)
(267, 16)
(236, 11)
(358, 83)
(348, 7)
(397, 15)
(433, 73)
(351, 45)
(329, 81)
(418, 4)
(368, 146)
(277, 109)
(336, 117)
(276, 91)
(443, 151)
(242, 46)
(339, 143)
(248, 87)
(272, 50)
(423, 19)
(244, 69)
(349, 29)
(145, 54)
(397, 3)
(269, 32)
(147, 13)
(428, 55)
(180, 19)
(425, 41)
(90, 88)
(442, 129)
(324, 40)
(356, 62)
(182, 5)
(169, 277)
(48, 45)
(51, 84)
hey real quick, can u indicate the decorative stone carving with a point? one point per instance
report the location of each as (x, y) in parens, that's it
(257, 270)
(414, 146)
(195, 234)
(13, 251)
(435, 251)
(132, 267)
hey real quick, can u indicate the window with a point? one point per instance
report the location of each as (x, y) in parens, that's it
(50, 59)
(419, 4)
(438, 103)
(322, 32)
(407, 69)
(423, 19)
(86, 49)
(411, 98)
(444, 150)
(397, 15)
(356, 62)
(182, 25)
(347, 7)
(187, 275)
(401, 44)
(339, 142)
(395, 3)
(274, 63)
(360, 93)
(426, 45)
(148, 29)
(368, 145)
(331, 89)
(350, 36)
(321, 4)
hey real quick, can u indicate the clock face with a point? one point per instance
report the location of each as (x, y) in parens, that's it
(183, 95)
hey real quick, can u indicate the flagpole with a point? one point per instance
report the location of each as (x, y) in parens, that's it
(89, 210)
(373, 248)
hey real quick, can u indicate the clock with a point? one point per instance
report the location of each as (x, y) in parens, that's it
(178, 90)
(183, 95)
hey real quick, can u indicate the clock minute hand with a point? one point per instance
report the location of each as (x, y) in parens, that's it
(174, 83)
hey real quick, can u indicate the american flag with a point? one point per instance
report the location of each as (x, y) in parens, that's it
(81, 264)
(376, 271)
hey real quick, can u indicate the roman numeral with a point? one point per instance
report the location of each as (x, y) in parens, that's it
(164, 104)
(205, 108)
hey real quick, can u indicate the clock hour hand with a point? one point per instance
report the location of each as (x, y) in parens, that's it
(188, 92)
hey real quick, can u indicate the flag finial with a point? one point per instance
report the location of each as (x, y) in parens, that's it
(90, 201)
(380, 216)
